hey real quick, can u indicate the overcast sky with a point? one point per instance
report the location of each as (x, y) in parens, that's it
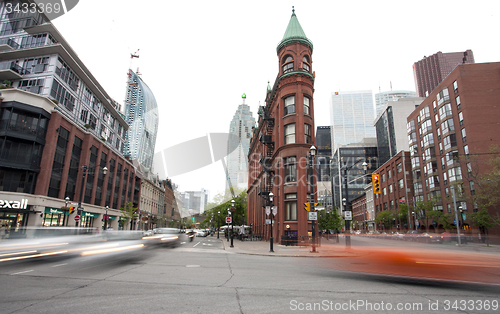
(199, 57)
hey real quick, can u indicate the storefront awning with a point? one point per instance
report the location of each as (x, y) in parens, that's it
(87, 214)
(58, 211)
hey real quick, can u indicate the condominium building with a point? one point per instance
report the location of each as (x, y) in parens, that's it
(450, 135)
(382, 98)
(431, 71)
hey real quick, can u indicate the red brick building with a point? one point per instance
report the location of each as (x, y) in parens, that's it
(450, 135)
(395, 179)
(280, 145)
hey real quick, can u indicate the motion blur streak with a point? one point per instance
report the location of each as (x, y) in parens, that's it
(18, 253)
(423, 263)
(169, 238)
(118, 249)
(31, 256)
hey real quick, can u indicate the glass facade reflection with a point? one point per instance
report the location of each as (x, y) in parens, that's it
(141, 113)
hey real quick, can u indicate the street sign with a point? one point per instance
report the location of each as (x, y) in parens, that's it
(275, 210)
(268, 210)
(228, 220)
(348, 215)
(268, 221)
(77, 218)
(312, 216)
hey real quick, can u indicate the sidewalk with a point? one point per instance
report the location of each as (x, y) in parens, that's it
(263, 248)
(330, 248)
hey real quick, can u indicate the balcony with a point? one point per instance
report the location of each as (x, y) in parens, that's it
(10, 71)
(7, 44)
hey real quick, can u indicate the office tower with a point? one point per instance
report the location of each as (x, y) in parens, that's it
(237, 160)
(382, 98)
(431, 71)
(141, 113)
(391, 127)
(323, 160)
(282, 139)
(450, 135)
(352, 116)
(351, 157)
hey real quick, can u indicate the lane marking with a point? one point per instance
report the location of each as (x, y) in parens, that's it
(22, 272)
(60, 265)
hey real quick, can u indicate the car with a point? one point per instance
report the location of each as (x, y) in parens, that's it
(430, 238)
(201, 233)
(164, 237)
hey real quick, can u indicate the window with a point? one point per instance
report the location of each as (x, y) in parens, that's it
(305, 64)
(455, 87)
(401, 184)
(290, 133)
(289, 105)
(443, 96)
(288, 64)
(84, 115)
(290, 169)
(307, 108)
(93, 122)
(459, 104)
(464, 136)
(399, 167)
(307, 133)
(455, 174)
(291, 206)
(466, 149)
(390, 188)
(87, 96)
(461, 118)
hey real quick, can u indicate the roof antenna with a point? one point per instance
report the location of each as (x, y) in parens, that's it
(293, 10)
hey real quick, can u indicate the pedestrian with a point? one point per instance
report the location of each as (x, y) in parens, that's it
(2, 232)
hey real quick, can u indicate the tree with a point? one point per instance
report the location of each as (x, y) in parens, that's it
(129, 212)
(329, 220)
(402, 214)
(424, 209)
(386, 217)
(483, 220)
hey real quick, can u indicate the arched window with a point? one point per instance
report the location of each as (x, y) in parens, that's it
(306, 64)
(288, 64)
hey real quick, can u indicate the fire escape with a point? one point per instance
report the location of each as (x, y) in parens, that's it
(266, 138)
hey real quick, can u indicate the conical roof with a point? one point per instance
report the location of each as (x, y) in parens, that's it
(294, 33)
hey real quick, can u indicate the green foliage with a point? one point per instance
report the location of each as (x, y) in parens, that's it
(386, 217)
(482, 219)
(329, 220)
(218, 219)
(129, 211)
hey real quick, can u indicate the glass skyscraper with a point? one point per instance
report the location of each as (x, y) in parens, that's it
(141, 114)
(352, 117)
(237, 160)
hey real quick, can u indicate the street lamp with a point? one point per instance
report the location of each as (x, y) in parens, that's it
(80, 208)
(271, 239)
(345, 201)
(218, 224)
(232, 221)
(312, 153)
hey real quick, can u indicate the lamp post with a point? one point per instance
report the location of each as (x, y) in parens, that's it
(106, 219)
(345, 201)
(66, 200)
(312, 153)
(80, 208)
(271, 239)
(232, 222)
(218, 224)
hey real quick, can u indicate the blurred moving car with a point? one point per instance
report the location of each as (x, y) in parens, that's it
(430, 238)
(163, 237)
(201, 233)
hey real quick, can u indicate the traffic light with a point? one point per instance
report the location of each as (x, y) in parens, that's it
(376, 183)
(71, 210)
(307, 206)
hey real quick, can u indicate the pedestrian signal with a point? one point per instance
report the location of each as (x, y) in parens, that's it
(376, 183)
(307, 206)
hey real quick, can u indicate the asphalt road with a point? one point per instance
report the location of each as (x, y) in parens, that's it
(202, 277)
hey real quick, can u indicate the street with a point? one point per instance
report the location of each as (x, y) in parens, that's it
(204, 276)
